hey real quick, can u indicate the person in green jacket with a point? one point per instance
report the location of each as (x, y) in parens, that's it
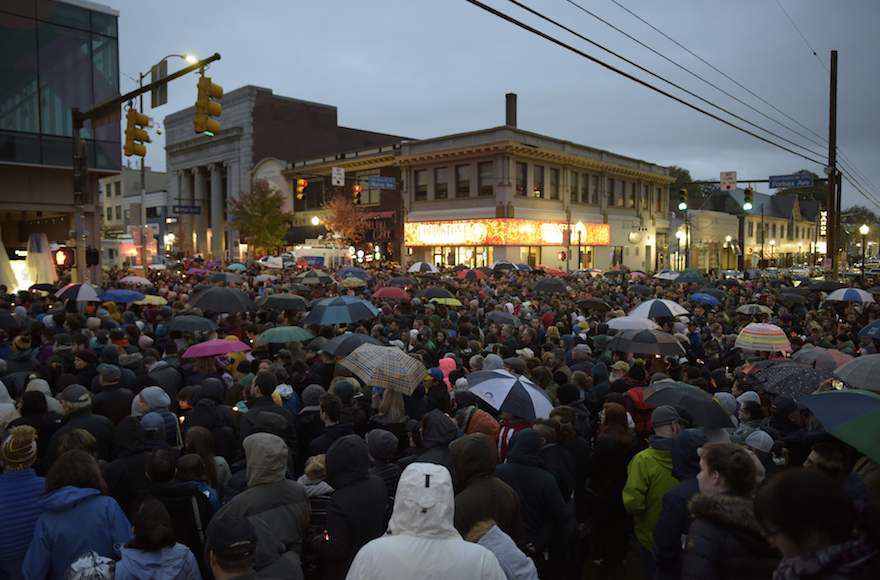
(649, 477)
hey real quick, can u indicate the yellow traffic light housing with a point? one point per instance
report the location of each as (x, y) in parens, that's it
(683, 199)
(301, 185)
(135, 133)
(208, 110)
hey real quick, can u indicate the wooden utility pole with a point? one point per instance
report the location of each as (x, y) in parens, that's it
(833, 238)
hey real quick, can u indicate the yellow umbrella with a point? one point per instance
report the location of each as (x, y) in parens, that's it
(446, 301)
(352, 282)
(153, 299)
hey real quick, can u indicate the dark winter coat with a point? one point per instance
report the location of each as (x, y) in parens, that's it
(438, 431)
(191, 514)
(166, 376)
(126, 476)
(248, 423)
(113, 402)
(308, 425)
(99, 426)
(320, 444)
(210, 413)
(725, 541)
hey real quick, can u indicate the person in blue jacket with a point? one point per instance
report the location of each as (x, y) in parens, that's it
(20, 493)
(78, 518)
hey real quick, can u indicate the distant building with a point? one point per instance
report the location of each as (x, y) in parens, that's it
(123, 211)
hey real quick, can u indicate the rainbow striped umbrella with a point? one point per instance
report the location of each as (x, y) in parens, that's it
(763, 337)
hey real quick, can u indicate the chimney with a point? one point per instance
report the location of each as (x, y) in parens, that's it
(510, 99)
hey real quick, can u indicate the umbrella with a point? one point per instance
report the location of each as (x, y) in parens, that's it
(341, 310)
(800, 290)
(826, 286)
(80, 293)
(447, 301)
(7, 321)
(632, 323)
(135, 281)
(872, 290)
(730, 282)
(658, 308)
(459, 268)
(861, 372)
(691, 276)
(284, 302)
(391, 293)
(302, 288)
(503, 318)
(503, 267)
(352, 282)
(550, 286)
(402, 281)
(236, 267)
(509, 393)
(642, 290)
(871, 330)
(198, 271)
(851, 295)
(700, 406)
(284, 334)
(763, 337)
(646, 342)
(215, 347)
(354, 271)
(152, 299)
(191, 323)
(851, 415)
(313, 278)
(423, 268)
(222, 299)
(157, 267)
(753, 309)
(790, 378)
(593, 304)
(552, 271)
(387, 367)
(435, 292)
(823, 359)
(716, 292)
(265, 278)
(668, 275)
(523, 267)
(344, 344)
(704, 298)
(790, 299)
(470, 275)
(225, 277)
(121, 296)
(43, 287)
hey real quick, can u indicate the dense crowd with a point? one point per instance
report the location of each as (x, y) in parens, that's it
(201, 423)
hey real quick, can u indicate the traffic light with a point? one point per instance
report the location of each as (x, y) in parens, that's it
(356, 193)
(65, 258)
(207, 107)
(749, 198)
(301, 185)
(683, 199)
(136, 134)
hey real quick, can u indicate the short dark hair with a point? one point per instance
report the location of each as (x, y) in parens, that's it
(438, 398)
(266, 381)
(735, 465)
(160, 466)
(331, 405)
(190, 467)
(152, 525)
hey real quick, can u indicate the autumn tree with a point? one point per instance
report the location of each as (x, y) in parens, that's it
(343, 219)
(258, 216)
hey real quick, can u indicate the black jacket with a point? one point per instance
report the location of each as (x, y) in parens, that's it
(210, 413)
(126, 475)
(438, 431)
(248, 425)
(166, 376)
(113, 402)
(308, 425)
(99, 426)
(191, 514)
(725, 541)
(322, 442)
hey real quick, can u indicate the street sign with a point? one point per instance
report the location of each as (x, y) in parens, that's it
(381, 182)
(793, 180)
(337, 176)
(187, 209)
(728, 180)
(159, 95)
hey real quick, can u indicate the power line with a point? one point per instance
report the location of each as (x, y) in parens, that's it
(695, 75)
(852, 182)
(633, 78)
(795, 26)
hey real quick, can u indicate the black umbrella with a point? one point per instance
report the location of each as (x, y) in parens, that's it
(43, 287)
(700, 406)
(646, 342)
(191, 323)
(642, 290)
(222, 299)
(714, 292)
(504, 267)
(799, 291)
(225, 277)
(729, 282)
(790, 378)
(550, 286)
(593, 304)
(459, 268)
(401, 281)
(302, 288)
(344, 344)
(434, 292)
(284, 302)
(503, 318)
(790, 299)
(826, 286)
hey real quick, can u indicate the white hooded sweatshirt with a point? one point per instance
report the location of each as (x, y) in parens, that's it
(422, 541)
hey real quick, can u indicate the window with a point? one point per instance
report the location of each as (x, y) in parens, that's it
(421, 179)
(611, 191)
(522, 172)
(486, 178)
(127, 215)
(119, 212)
(658, 200)
(773, 231)
(118, 188)
(573, 187)
(782, 231)
(152, 212)
(594, 190)
(751, 229)
(441, 183)
(797, 232)
(462, 180)
(631, 196)
(645, 193)
(585, 187)
(554, 183)
(109, 213)
(538, 189)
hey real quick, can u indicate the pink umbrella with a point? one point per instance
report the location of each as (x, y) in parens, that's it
(391, 293)
(215, 347)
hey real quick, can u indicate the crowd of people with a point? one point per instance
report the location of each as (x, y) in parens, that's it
(125, 456)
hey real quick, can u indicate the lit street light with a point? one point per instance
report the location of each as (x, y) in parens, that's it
(772, 249)
(316, 221)
(864, 229)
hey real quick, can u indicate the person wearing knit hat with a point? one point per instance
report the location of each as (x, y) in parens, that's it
(145, 342)
(21, 343)
(21, 491)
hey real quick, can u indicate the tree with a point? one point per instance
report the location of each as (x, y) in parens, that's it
(258, 216)
(818, 192)
(343, 219)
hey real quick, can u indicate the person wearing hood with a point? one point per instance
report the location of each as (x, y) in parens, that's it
(601, 387)
(126, 476)
(480, 495)
(278, 507)
(21, 491)
(85, 363)
(260, 401)
(154, 551)
(383, 446)
(8, 412)
(356, 513)
(649, 477)
(334, 428)
(674, 518)
(156, 400)
(438, 430)
(422, 541)
(78, 518)
(210, 412)
(53, 405)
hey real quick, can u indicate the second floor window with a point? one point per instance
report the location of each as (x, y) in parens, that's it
(522, 173)
(751, 229)
(554, 183)
(109, 213)
(421, 179)
(594, 190)
(573, 186)
(612, 190)
(119, 212)
(586, 187)
(486, 178)
(658, 200)
(538, 189)
(631, 196)
(441, 183)
(462, 180)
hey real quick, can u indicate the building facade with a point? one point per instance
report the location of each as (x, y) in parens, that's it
(209, 172)
(55, 56)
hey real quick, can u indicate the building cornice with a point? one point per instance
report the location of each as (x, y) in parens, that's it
(200, 141)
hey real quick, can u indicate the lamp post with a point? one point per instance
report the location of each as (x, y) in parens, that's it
(580, 229)
(863, 230)
(316, 221)
(680, 235)
(772, 250)
(728, 239)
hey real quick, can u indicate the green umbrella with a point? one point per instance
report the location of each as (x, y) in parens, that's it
(236, 267)
(285, 334)
(851, 415)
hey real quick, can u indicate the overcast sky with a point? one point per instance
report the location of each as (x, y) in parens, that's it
(423, 68)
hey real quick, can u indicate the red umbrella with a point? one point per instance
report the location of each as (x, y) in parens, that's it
(471, 275)
(215, 347)
(553, 271)
(391, 293)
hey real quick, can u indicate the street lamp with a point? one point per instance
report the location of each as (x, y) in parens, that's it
(727, 244)
(772, 249)
(316, 221)
(580, 230)
(680, 235)
(864, 229)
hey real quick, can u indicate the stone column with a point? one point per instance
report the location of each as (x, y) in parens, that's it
(201, 226)
(185, 221)
(218, 229)
(233, 189)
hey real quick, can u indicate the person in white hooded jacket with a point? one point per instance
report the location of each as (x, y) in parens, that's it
(422, 541)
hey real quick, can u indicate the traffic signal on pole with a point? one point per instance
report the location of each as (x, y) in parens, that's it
(749, 199)
(65, 258)
(356, 193)
(207, 107)
(136, 134)
(301, 185)
(683, 199)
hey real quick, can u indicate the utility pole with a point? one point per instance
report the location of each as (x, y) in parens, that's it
(833, 204)
(763, 235)
(143, 210)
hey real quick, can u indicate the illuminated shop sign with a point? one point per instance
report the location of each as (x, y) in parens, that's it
(823, 224)
(503, 232)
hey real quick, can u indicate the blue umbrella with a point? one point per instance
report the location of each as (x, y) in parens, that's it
(120, 295)
(236, 267)
(523, 267)
(341, 310)
(353, 271)
(705, 298)
(871, 330)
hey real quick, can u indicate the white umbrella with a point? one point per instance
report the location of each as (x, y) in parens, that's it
(135, 281)
(423, 268)
(666, 275)
(632, 323)
(658, 308)
(507, 392)
(265, 278)
(850, 295)
(80, 293)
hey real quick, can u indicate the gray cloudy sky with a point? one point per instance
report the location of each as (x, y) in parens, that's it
(423, 68)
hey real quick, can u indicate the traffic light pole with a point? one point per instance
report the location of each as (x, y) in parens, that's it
(143, 210)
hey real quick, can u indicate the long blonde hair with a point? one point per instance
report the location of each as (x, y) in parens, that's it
(391, 406)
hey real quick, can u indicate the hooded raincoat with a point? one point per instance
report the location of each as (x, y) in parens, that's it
(174, 563)
(649, 477)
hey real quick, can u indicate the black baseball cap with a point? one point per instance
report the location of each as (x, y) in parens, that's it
(232, 538)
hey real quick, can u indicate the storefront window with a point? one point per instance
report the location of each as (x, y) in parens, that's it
(522, 171)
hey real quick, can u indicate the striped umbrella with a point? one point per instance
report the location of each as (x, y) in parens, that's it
(423, 268)
(823, 359)
(861, 372)
(658, 308)
(753, 309)
(509, 393)
(646, 342)
(763, 337)
(851, 415)
(313, 278)
(387, 367)
(80, 293)
(851, 295)
(871, 330)
(632, 323)
(341, 310)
